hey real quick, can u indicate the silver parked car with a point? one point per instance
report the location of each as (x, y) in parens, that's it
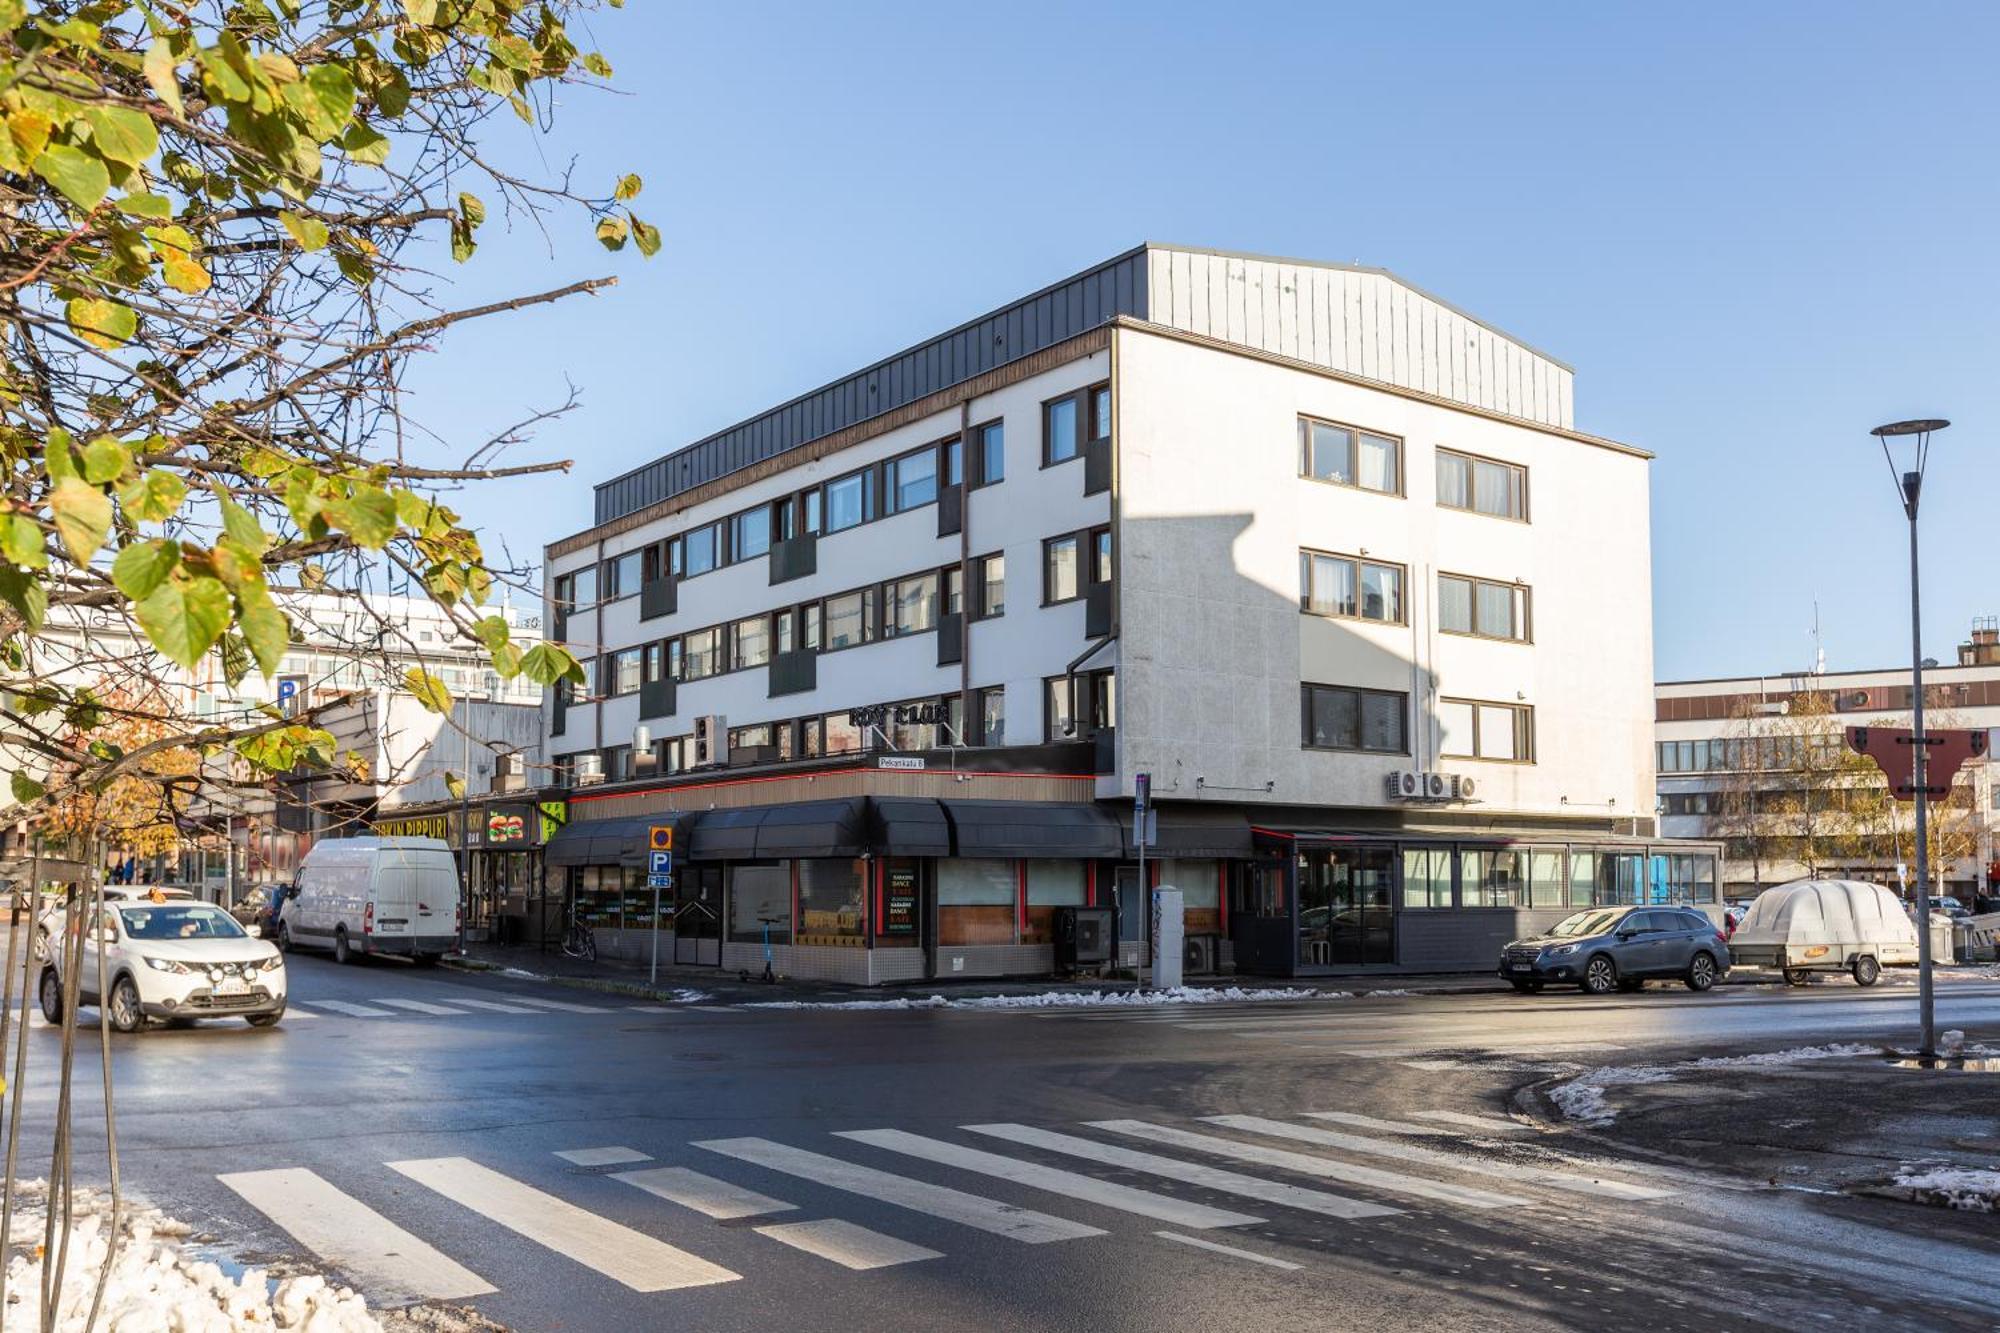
(1608, 949)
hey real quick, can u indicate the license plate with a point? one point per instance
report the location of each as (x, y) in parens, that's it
(232, 988)
(1520, 967)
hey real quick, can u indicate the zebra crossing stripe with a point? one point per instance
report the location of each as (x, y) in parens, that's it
(351, 1010)
(1086, 1189)
(1209, 1177)
(1492, 1124)
(564, 1005)
(388, 1263)
(422, 1007)
(1231, 1251)
(705, 1194)
(846, 1244)
(620, 1253)
(602, 1156)
(1539, 1175)
(970, 1210)
(1385, 1126)
(1394, 1182)
(494, 1006)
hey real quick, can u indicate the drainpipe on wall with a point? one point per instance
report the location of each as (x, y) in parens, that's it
(965, 571)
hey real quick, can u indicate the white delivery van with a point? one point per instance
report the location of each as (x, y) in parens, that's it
(1825, 925)
(374, 895)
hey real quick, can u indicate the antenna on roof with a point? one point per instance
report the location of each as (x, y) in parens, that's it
(1819, 649)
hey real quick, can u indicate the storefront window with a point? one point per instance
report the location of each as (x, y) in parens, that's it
(976, 901)
(1051, 884)
(898, 921)
(599, 895)
(842, 736)
(1704, 878)
(1546, 884)
(1500, 879)
(1620, 879)
(1582, 879)
(1201, 911)
(1426, 877)
(759, 890)
(639, 902)
(832, 903)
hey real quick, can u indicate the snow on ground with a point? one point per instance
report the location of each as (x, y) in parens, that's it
(684, 995)
(154, 1284)
(1948, 1186)
(1067, 999)
(1582, 1098)
(522, 973)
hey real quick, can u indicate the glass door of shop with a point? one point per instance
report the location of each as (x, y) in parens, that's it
(698, 916)
(1347, 912)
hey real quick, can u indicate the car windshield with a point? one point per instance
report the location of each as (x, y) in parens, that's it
(180, 921)
(1585, 923)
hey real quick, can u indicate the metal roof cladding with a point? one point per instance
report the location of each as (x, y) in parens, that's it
(1121, 286)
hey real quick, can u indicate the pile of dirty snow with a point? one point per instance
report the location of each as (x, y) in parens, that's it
(154, 1284)
(1083, 999)
(1949, 1187)
(1582, 1098)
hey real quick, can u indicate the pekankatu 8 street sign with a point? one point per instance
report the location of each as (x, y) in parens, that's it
(1945, 752)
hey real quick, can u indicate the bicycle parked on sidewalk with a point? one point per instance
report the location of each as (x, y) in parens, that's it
(578, 941)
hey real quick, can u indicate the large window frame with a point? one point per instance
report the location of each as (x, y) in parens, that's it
(1314, 563)
(907, 472)
(989, 585)
(986, 461)
(1520, 602)
(1521, 727)
(1465, 488)
(836, 494)
(1320, 437)
(1311, 692)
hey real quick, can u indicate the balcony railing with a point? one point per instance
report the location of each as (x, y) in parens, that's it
(658, 598)
(794, 672)
(1097, 610)
(794, 558)
(656, 699)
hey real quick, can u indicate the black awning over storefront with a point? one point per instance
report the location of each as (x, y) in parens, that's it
(814, 828)
(1195, 831)
(1033, 829)
(910, 826)
(598, 842)
(728, 835)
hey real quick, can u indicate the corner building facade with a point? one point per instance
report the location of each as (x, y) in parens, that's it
(1321, 554)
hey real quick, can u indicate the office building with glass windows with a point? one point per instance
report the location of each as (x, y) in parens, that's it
(1321, 554)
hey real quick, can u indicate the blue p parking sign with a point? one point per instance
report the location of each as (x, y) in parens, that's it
(660, 863)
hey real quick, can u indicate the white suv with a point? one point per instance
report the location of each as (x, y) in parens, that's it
(172, 959)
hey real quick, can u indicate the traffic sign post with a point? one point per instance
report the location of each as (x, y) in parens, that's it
(659, 875)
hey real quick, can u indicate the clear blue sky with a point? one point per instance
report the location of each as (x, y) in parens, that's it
(1755, 231)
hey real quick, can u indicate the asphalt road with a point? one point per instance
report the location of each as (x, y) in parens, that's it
(403, 1128)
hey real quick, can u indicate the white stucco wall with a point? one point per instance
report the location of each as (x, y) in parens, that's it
(1213, 646)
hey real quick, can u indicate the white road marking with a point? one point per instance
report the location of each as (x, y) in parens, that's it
(494, 1006)
(291, 1012)
(1386, 1126)
(1208, 1177)
(846, 1244)
(970, 1210)
(1478, 1166)
(390, 1265)
(1394, 1182)
(709, 1009)
(705, 1194)
(422, 1007)
(1468, 1048)
(627, 1256)
(351, 1010)
(1231, 1251)
(564, 1005)
(1492, 1124)
(603, 1156)
(1086, 1189)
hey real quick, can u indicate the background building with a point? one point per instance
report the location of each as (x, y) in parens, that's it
(1762, 764)
(1299, 540)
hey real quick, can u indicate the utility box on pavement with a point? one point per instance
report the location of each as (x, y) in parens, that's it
(1168, 942)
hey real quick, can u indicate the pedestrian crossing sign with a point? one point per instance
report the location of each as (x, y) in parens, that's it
(661, 838)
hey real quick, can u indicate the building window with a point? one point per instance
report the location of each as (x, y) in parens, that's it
(1482, 607)
(977, 900)
(989, 581)
(1059, 573)
(809, 626)
(625, 671)
(750, 533)
(1095, 691)
(1060, 438)
(577, 590)
(850, 619)
(621, 576)
(701, 654)
(1339, 585)
(842, 736)
(1492, 878)
(1340, 718)
(847, 502)
(911, 481)
(1100, 555)
(749, 643)
(1349, 456)
(760, 894)
(833, 903)
(989, 454)
(1100, 412)
(1482, 485)
(912, 606)
(812, 507)
(1051, 884)
(1474, 729)
(652, 663)
(1548, 880)
(698, 550)
(1426, 877)
(991, 707)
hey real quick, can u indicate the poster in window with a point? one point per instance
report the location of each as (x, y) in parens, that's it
(899, 901)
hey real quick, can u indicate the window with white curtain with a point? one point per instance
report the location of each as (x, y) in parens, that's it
(1482, 485)
(1485, 607)
(1350, 456)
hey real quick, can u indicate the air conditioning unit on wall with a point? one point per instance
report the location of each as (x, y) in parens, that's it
(711, 742)
(1436, 788)
(1463, 788)
(1404, 785)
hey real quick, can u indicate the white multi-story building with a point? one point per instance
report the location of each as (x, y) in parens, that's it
(1321, 555)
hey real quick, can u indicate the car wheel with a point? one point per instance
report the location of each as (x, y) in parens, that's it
(1600, 976)
(1797, 976)
(341, 953)
(1866, 970)
(284, 938)
(123, 1010)
(1701, 972)
(52, 996)
(269, 1020)
(41, 946)
(1528, 987)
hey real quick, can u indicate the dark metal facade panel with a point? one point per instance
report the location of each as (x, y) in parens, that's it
(910, 826)
(1221, 834)
(1033, 829)
(815, 828)
(1073, 306)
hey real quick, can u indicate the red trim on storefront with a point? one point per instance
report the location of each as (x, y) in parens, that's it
(815, 773)
(1020, 898)
(879, 880)
(1152, 874)
(1090, 884)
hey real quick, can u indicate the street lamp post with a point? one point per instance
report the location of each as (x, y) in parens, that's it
(1909, 484)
